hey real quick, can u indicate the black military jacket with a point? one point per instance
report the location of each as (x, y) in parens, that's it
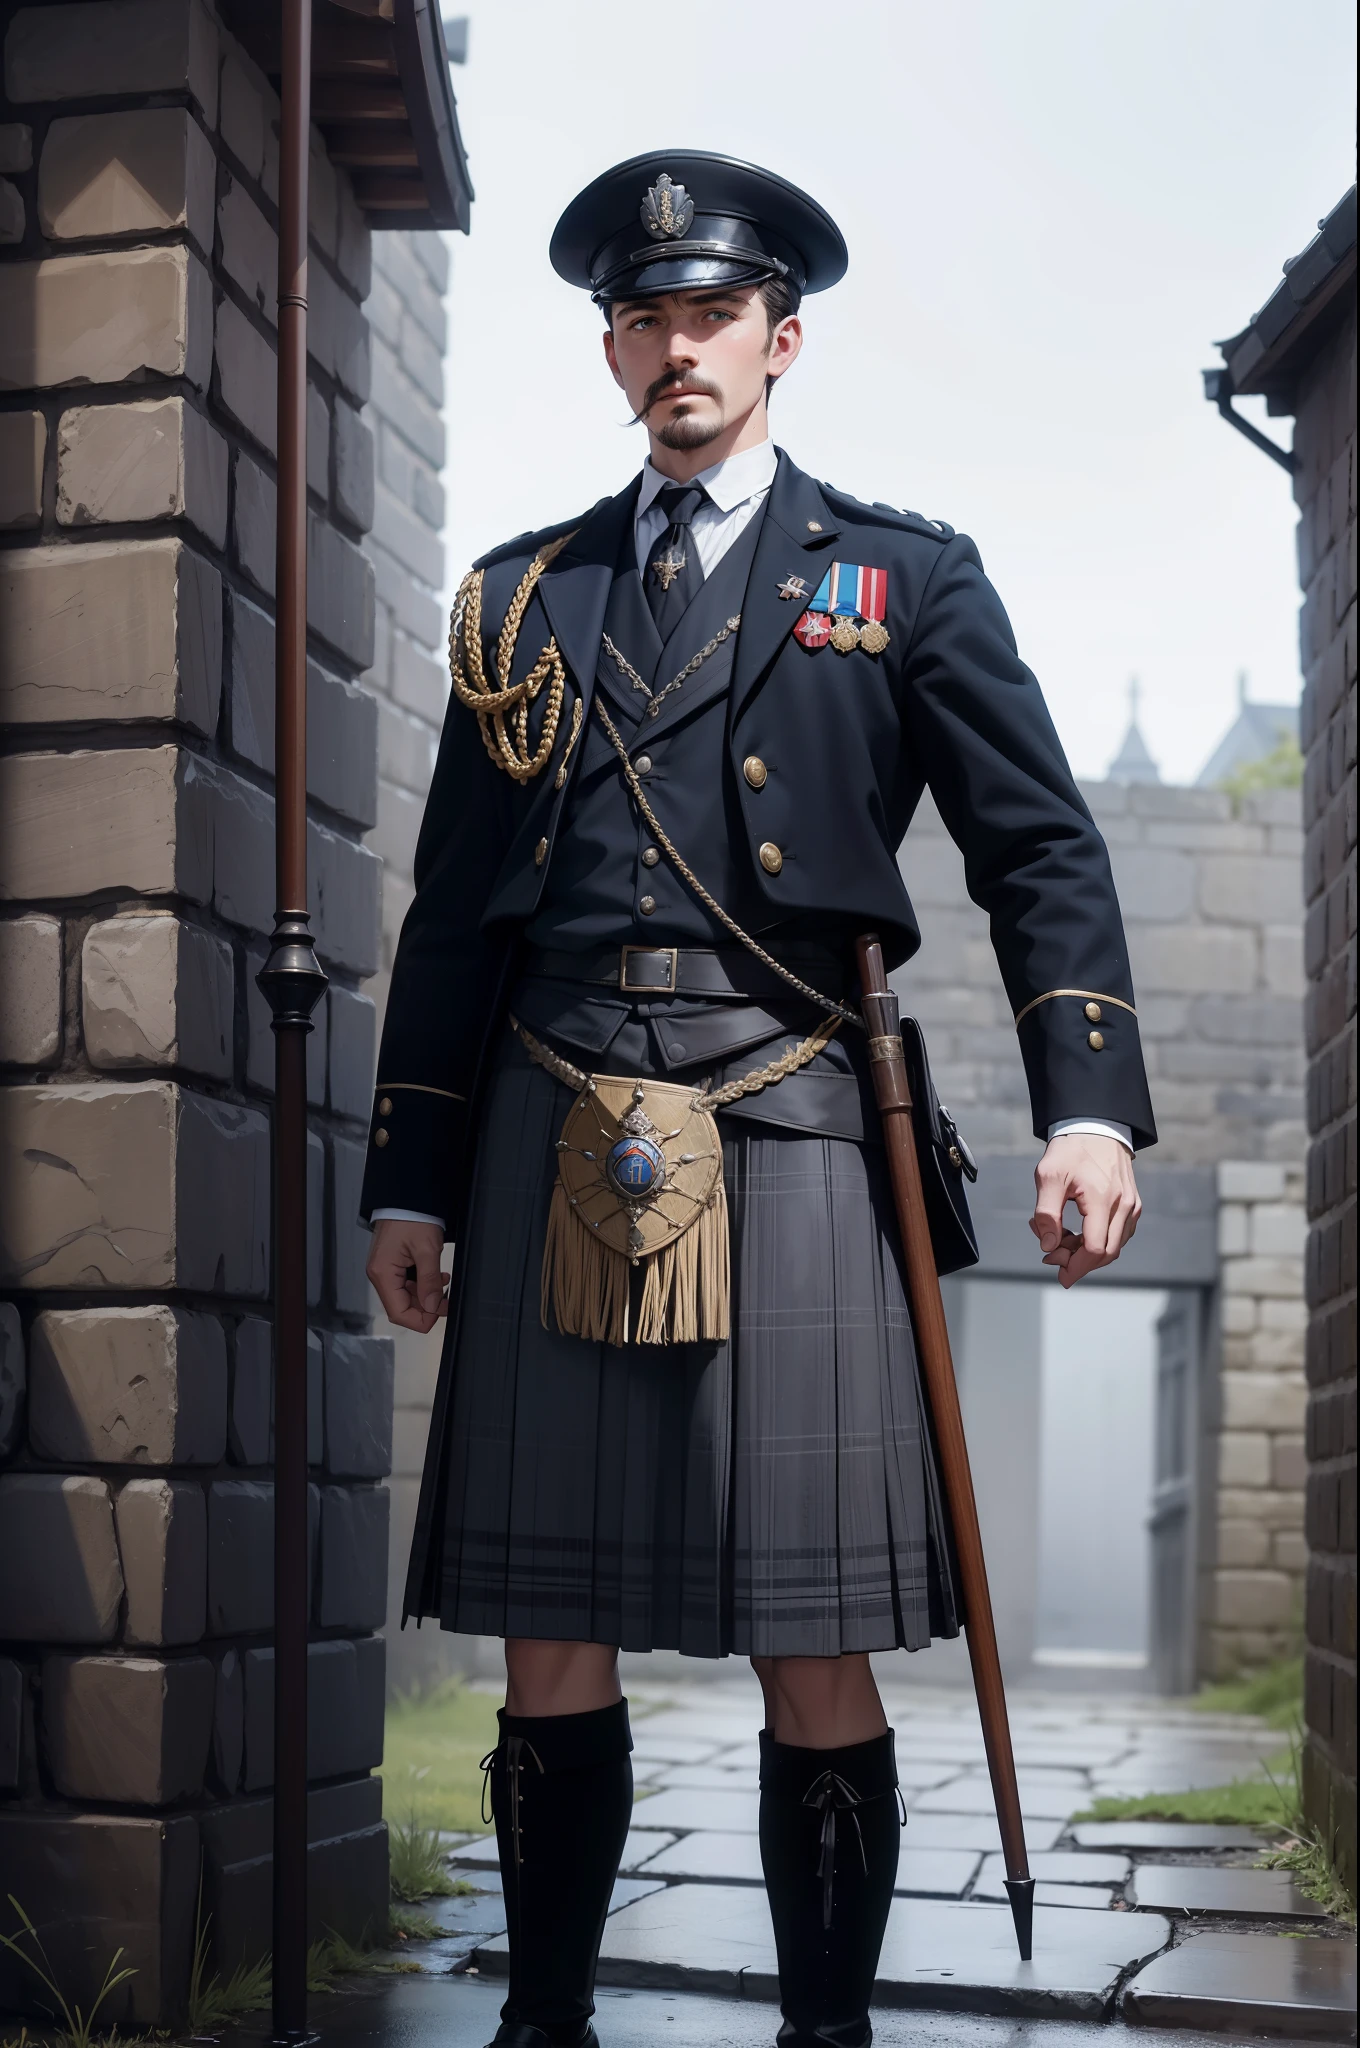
(849, 743)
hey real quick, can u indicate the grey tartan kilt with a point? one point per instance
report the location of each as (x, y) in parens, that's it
(773, 1495)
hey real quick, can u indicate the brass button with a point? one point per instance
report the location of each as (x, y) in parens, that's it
(647, 905)
(385, 1106)
(1096, 1040)
(650, 857)
(380, 1138)
(643, 765)
(540, 853)
(771, 859)
(755, 771)
(814, 526)
(1093, 1013)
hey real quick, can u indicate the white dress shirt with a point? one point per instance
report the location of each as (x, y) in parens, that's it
(737, 488)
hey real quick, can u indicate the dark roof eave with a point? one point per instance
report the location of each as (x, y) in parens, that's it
(1266, 355)
(423, 67)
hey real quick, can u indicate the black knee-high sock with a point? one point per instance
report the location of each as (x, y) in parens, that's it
(562, 1797)
(829, 1831)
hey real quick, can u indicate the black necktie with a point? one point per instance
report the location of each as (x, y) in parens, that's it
(673, 572)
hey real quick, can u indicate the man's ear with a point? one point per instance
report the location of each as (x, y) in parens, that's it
(611, 356)
(785, 344)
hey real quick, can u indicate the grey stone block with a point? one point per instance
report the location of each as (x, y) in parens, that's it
(406, 749)
(249, 1434)
(243, 851)
(318, 444)
(13, 213)
(1156, 886)
(347, 1874)
(133, 46)
(23, 443)
(105, 318)
(337, 334)
(223, 1192)
(323, 197)
(153, 460)
(163, 1539)
(343, 1734)
(16, 146)
(13, 1379)
(144, 172)
(353, 1034)
(353, 1578)
(407, 409)
(250, 249)
(1250, 892)
(1249, 1021)
(132, 1729)
(341, 719)
(404, 534)
(414, 608)
(229, 1721)
(11, 1723)
(94, 1884)
(75, 824)
(72, 1587)
(253, 520)
(247, 375)
(358, 1406)
(344, 884)
(400, 815)
(353, 1296)
(127, 629)
(423, 360)
(354, 242)
(240, 1557)
(353, 466)
(157, 992)
(248, 104)
(420, 683)
(340, 592)
(128, 1386)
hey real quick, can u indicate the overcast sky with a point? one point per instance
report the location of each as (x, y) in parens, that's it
(1053, 208)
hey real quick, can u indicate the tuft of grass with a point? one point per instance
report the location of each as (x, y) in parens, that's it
(417, 1860)
(1274, 1694)
(1269, 1802)
(1305, 1857)
(406, 1926)
(435, 1741)
(77, 2026)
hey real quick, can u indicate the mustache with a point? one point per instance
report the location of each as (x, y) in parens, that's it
(671, 386)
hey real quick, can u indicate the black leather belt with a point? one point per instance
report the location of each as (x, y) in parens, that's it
(688, 970)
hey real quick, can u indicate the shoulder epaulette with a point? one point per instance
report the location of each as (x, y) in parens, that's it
(529, 543)
(889, 515)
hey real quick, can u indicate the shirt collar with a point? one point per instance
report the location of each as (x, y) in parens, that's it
(728, 483)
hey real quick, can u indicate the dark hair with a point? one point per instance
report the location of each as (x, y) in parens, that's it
(780, 299)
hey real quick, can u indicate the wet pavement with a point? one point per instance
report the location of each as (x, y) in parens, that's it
(1143, 1924)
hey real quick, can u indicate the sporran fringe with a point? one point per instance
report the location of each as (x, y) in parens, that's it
(686, 1289)
(585, 1282)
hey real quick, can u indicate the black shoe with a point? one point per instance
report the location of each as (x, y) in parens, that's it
(562, 1797)
(511, 2034)
(829, 1831)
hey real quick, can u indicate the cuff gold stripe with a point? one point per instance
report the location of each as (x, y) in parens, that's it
(417, 1088)
(1087, 995)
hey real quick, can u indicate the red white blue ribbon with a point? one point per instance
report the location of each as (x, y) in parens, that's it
(849, 591)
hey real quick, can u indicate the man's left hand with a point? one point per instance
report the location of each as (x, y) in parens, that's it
(1097, 1174)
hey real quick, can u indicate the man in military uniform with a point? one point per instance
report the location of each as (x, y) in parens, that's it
(621, 1073)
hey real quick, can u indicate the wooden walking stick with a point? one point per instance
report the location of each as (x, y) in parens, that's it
(893, 1095)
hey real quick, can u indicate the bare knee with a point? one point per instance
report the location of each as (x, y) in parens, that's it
(820, 1702)
(559, 1678)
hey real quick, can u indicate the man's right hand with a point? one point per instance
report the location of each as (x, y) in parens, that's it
(413, 1300)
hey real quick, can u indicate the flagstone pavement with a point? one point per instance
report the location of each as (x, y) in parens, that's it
(1142, 1925)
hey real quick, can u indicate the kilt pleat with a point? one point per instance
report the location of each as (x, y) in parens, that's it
(772, 1495)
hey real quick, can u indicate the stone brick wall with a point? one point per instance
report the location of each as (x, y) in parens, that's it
(137, 444)
(1325, 487)
(1251, 1593)
(409, 679)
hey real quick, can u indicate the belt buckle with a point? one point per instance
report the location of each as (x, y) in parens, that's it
(649, 988)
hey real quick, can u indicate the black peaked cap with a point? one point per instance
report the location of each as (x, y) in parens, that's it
(674, 220)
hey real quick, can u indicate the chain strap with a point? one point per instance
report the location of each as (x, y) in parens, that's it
(696, 661)
(789, 1062)
(503, 713)
(844, 1011)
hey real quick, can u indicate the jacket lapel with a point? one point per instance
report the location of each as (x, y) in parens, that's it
(575, 590)
(796, 538)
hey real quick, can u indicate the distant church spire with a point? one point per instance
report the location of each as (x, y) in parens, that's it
(1133, 762)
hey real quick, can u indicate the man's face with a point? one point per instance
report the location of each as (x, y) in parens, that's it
(693, 362)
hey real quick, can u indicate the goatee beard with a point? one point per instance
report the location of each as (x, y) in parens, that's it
(687, 432)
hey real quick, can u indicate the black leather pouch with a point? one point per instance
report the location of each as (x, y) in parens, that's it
(946, 1163)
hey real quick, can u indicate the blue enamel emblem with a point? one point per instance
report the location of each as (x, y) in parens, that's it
(635, 1168)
